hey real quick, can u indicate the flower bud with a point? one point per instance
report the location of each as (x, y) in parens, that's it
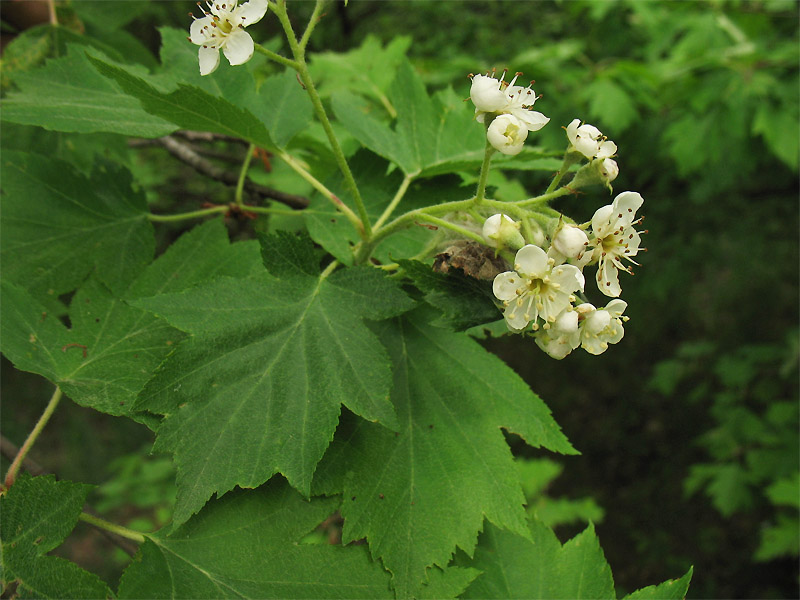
(570, 240)
(486, 94)
(609, 169)
(501, 231)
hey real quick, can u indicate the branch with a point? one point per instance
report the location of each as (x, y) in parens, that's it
(185, 154)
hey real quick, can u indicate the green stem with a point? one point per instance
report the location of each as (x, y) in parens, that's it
(37, 429)
(268, 210)
(401, 191)
(288, 62)
(487, 158)
(452, 227)
(118, 529)
(329, 269)
(312, 23)
(302, 69)
(243, 175)
(189, 215)
(565, 165)
(320, 187)
(544, 198)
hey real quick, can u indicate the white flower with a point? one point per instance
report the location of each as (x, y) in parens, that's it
(502, 231)
(507, 134)
(601, 327)
(570, 241)
(590, 141)
(486, 94)
(492, 95)
(536, 288)
(609, 169)
(615, 239)
(223, 29)
(563, 337)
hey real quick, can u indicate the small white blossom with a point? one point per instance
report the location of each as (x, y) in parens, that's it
(492, 95)
(570, 241)
(536, 288)
(601, 327)
(615, 239)
(223, 29)
(501, 231)
(590, 141)
(507, 134)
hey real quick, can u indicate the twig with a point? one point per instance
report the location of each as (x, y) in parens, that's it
(185, 154)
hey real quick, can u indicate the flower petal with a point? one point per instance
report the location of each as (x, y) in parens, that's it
(251, 12)
(608, 279)
(601, 221)
(198, 32)
(531, 260)
(625, 205)
(616, 307)
(209, 60)
(506, 284)
(520, 312)
(239, 47)
(533, 120)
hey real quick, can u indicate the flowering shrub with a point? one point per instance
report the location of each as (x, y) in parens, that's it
(240, 355)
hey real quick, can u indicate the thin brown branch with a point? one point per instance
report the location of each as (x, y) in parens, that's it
(187, 155)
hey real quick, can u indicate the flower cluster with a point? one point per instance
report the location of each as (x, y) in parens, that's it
(508, 108)
(222, 28)
(540, 294)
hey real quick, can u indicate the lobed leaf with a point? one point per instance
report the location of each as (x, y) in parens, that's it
(257, 388)
(418, 493)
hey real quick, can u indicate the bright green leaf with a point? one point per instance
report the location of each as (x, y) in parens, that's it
(57, 225)
(673, 589)
(189, 107)
(68, 94)
(283, 106)
(245, 545)
(269, 363)
(38, 513)
(418, 493)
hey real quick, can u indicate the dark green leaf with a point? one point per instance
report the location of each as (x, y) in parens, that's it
(419, 493)
(38, 513)
(245, 545)
(463, 300)
(268, 365)
(57, 225)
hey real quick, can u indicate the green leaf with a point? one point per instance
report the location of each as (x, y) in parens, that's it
(38, 513)
(463, 300)
(269, 363)
(103, 361)
(432, 136)
(245, 545)
(418, 493)
(189, 107)
(610, 104)
(673, 589)
(283, 106)
(57, 225)
(68, 94)
(368, 69)
(111, 350)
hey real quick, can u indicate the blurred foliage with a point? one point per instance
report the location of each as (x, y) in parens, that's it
(702, 100)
